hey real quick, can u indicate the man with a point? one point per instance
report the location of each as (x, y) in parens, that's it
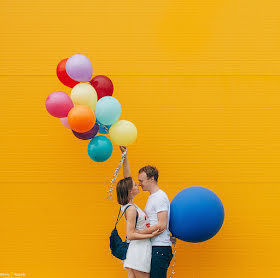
(158, 211)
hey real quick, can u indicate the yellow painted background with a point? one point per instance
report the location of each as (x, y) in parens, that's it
(199, 79)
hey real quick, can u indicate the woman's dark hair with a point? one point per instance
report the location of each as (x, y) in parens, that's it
(123, 188)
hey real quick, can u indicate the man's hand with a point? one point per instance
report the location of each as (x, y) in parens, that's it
(173, 239)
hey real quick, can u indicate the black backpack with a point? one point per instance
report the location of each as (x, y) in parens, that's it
(117, 246)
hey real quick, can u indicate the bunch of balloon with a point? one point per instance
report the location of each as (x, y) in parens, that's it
(76, 112)
(90, 109)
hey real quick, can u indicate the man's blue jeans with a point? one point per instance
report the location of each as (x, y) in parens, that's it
(161, 258)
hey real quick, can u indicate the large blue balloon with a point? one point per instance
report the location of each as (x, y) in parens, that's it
(196, 214)
(100, 148)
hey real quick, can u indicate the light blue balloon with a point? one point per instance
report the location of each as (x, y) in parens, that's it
(108, 110)
(102, 129)
(100, 148)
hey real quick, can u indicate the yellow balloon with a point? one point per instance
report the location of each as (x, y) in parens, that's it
(84, 94)
(123, 133)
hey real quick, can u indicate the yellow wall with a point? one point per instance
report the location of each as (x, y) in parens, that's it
(199, 79)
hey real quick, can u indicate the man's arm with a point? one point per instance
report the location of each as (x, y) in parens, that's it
(161, 226)
(126, 168)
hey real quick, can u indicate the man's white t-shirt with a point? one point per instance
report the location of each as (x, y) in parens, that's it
(157, 202)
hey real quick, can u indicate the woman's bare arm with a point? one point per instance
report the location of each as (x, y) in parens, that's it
(126, 168)
(161, 226)
(130, 226)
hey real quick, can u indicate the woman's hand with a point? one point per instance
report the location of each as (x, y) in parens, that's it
(156, 232)
(123, 148)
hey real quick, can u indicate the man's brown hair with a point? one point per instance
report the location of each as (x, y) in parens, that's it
(123, 188)
(150, 171)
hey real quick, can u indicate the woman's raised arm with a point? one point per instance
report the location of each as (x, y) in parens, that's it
(126, 168)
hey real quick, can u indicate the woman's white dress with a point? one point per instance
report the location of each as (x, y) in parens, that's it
(139, 252)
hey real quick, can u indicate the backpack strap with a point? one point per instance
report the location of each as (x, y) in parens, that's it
(119, 218)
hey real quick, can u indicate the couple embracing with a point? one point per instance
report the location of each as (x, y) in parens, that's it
(150, 249)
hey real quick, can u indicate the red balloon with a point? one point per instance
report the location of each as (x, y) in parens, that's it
(63, 76)
(102, 85)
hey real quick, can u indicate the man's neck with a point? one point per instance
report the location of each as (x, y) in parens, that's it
(154, 189)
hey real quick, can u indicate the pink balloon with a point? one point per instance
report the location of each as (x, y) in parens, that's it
(59, 104)
(64, 121)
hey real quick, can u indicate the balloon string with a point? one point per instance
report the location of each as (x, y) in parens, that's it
(110, 186)
(104, 126)
(174, 262)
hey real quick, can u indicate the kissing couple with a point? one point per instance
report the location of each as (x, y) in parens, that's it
(150, 244)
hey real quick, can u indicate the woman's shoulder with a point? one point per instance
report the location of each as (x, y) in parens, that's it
(123, 207)
(128, 207)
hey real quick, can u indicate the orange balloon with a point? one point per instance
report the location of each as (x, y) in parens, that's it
(81, 118)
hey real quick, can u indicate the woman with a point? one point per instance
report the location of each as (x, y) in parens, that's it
(139, 253)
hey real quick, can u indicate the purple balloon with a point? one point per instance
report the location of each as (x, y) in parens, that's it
(87, 135)
(79, 68)
(59, 104)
